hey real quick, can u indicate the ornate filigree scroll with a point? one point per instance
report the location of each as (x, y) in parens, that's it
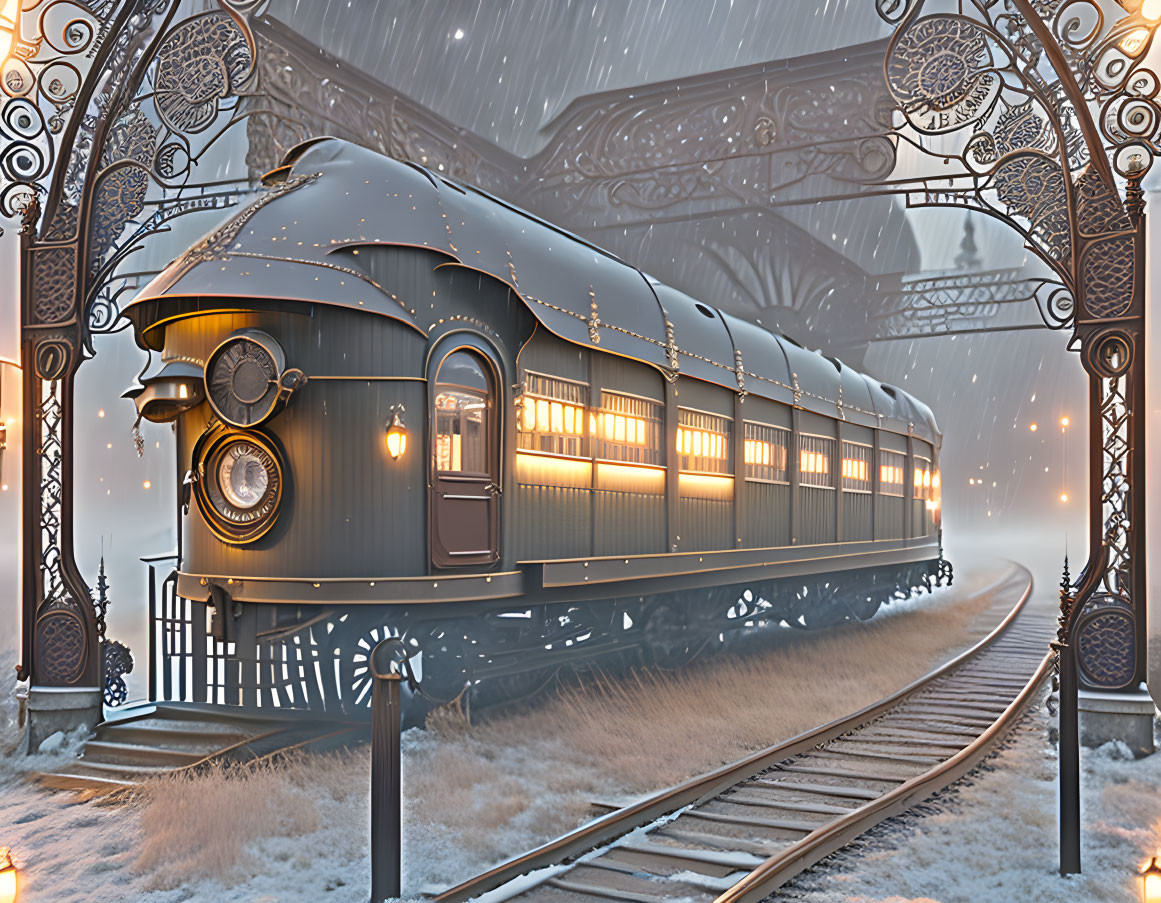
(1046, 117)
(105, 110)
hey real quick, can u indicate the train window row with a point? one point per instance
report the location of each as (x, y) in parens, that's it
(765, 453)
(554, 416)
(703, 442)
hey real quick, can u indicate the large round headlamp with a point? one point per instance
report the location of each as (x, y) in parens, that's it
(240, 486)
(242, 378)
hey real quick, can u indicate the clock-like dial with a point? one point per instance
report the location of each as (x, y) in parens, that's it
(242, 378)
(241, 486)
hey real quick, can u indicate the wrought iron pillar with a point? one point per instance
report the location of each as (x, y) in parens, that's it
(104, 109)
(1040, 110)
(60, 655)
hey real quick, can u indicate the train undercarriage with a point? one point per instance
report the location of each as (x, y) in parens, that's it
(317, 658)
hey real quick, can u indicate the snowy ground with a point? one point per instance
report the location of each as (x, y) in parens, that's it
(993, 836)
(476, 795)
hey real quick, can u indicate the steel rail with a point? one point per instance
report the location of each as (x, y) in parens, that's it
(607, 828)
(780, 868)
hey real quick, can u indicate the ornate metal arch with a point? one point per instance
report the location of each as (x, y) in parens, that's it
(106, 109)
(1041, 113)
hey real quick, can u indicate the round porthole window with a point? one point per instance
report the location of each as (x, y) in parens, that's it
(240, 486)
(242, 378)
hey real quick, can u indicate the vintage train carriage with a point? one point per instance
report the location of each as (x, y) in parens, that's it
(401, 404)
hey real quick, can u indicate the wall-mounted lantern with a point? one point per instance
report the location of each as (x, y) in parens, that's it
(166, 390)
(396, 434)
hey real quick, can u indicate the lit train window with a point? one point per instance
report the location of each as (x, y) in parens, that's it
(814, 456)
(552, 416)
(922, 479)
(703, 442)
(764, 451)
(461, 415)
(856, 467)
(891, 468)
(628, 428)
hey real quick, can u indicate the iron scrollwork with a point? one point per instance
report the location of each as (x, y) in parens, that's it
(1041, 110)
(104, 110)
(1033, 106)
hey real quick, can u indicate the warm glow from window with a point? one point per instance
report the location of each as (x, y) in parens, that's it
(889, 474)
(700, 442)
(813, 462)
(854, 469)
(758, 452)
(542, 416)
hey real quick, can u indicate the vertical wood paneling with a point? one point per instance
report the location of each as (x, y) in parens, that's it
(767, 515)
(347, 508)
(705, 524)
(817, 523)
(628, 523)
(552, 522)
(889, 523)
(856, 516)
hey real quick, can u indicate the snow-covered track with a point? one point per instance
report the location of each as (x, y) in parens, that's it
(736, 834)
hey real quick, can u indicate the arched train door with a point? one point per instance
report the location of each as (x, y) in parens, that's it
(465, 462)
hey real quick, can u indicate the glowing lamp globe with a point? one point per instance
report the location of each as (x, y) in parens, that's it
(396, 440)
(1150, 883)
(7, 877)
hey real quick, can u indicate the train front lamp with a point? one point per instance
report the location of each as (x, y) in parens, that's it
(8, 887)
(396, 436)
(1151, 882)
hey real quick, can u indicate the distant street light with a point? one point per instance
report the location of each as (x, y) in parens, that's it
(1032, 426)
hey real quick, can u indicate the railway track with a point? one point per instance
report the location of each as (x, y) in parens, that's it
(736, 834)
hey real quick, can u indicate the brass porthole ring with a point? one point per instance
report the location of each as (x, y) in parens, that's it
(240, 486)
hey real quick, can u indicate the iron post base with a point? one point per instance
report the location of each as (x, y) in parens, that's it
(1125, 715)
(52, 709)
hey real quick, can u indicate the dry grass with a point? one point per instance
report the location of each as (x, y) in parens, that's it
(655, 729)
(477, 793)
(202, 824)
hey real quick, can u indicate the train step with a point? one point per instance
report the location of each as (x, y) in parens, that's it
(151, 740)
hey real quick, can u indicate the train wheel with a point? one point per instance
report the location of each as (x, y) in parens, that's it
(823, 608)
(355, 680)
(667, 639)
(445, 662)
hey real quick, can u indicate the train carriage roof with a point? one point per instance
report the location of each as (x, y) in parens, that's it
(331, 195)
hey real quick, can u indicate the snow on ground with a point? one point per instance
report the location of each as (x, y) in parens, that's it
(474, 795)
(993, 836)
